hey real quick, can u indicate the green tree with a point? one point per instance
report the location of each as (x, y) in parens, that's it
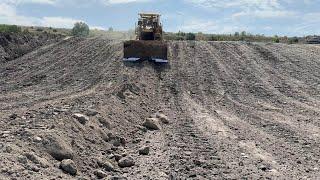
(243, 33)
(110, 29)
(190, 36)
(275, 39)
(80, 29)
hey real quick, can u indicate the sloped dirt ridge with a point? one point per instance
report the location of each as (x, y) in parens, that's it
(235, 110)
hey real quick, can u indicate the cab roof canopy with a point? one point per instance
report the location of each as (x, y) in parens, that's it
(146, 15)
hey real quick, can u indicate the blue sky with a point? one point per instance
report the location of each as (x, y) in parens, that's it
(269, 17)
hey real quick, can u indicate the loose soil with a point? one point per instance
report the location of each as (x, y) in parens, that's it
(236, 111)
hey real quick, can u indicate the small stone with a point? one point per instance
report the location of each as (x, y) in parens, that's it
(118, 178)
(22, 159)
(107, 166)
(13, 116)
(8, 149)
(100, 174)
(35, 168)
(81, 118)
(144, 150)
(163, 118)
(198, 162)
(136, 141)
(117, 157)
(142, 128)
(60, 110)
(152, 124)
(264, 167)
(126, 162)
(104, 122)
(115, 140)
(91, 112)
(68, 166)
(37, 160)
(37, 139)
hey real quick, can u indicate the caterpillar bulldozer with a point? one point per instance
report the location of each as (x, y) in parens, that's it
(149, 44)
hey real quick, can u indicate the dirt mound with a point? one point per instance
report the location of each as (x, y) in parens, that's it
(14, 45)
(221, 110)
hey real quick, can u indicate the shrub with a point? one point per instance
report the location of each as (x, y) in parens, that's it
(293, 40)
(190, 36)
(276, 39)
(80, 29)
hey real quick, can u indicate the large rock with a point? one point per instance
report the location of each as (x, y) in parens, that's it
(126, 162)
(152, 124)
(57, 147)
(68, 166)
(81, 118)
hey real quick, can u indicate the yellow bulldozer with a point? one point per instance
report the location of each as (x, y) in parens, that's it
(149, 44)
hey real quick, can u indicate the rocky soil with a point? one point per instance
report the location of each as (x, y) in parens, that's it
(218, 110)
(14, 45)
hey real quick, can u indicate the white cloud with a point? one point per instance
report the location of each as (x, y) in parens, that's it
(309, 24)
(7, 10)
(209, 26)
(8, 15)
(16, 2)
(38, 1)
(265, 14)
(250, 8)
(111, 2)
(263, 4)
(58, 22)
(97, 28)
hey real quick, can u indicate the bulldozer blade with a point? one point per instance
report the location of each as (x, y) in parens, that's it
(131, 59)
(136, 50)
(159, 60)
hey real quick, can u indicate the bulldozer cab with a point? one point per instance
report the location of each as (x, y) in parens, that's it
(149, 44)
(149, 27)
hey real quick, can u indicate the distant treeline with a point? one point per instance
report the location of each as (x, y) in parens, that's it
(9, 28)
(237, 36)
(82, 29)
